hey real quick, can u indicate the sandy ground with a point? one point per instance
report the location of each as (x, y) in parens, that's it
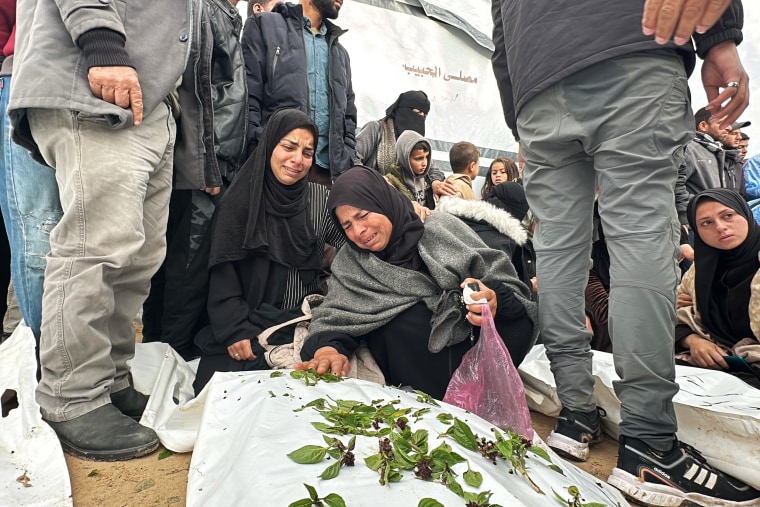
(152, 481)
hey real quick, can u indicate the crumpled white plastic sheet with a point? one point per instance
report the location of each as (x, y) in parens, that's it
(249, 426)
(28, 447)
(172, 410)
(717, 412)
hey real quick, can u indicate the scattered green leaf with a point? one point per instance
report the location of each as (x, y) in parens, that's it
(463, 435)
(334, 500)
(304, 502)
(312, 491)
(423, 397)
(445, 418)
(330, 472)
(308, 454)
(429, 502)
(165, 453)
(473, 478)
(541, 453)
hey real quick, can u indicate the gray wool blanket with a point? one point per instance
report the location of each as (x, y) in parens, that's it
(366, 293)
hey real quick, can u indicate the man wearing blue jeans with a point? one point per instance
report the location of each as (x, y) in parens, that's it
(30, 205)
(595, 100)
(28, 195)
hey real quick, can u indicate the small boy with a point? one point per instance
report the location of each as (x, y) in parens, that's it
(464, 158)
(411, 172)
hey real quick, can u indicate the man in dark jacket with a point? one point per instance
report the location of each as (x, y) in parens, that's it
(709, 162)
(176, 306)
(293, 59)
(596, 99)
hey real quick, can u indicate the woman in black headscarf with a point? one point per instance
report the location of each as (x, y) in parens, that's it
(719, 297)
(267, 245)
(399, 283)
(376, 141)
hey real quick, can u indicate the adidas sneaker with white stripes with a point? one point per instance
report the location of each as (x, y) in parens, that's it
(678, 477)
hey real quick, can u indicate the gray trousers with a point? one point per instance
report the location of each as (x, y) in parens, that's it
(114, 188)
(622, 125)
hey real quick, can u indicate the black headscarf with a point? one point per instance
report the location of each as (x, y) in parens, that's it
(258, 215)
(404, 118)
(511, 197)
(711, 264)
(365, 189)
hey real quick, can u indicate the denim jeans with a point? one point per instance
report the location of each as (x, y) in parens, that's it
(31, 208)
(114, 186)
(621, 124)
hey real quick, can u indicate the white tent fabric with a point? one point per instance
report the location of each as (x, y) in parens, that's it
(32, 468)
(717, 413)
(393, 50)
(475, 20)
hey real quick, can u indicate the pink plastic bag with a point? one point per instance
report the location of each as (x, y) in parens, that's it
(487, 383)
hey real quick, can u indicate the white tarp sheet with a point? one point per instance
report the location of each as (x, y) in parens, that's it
(32, 468)
(242, 426)
(249, 426)
(717, 413)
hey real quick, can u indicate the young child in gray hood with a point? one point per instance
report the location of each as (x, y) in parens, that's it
(411, 172)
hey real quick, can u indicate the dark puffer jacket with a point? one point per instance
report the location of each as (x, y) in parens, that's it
(275, 60)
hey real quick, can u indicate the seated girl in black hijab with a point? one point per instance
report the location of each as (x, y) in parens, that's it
(267, 245)
(719, 297)
(399, 283)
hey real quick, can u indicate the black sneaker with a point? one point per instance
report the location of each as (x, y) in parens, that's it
(574, 432)
(680, 476)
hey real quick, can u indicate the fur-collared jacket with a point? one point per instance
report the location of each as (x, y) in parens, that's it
(165, 41)
(498, 229)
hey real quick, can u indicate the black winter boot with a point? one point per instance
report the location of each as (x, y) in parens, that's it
(130, 402)
(105, 434)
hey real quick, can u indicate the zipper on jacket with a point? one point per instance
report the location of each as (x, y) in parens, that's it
(276, 57)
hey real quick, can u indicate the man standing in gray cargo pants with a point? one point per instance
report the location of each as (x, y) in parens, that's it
(95, 95)
(596, 100)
